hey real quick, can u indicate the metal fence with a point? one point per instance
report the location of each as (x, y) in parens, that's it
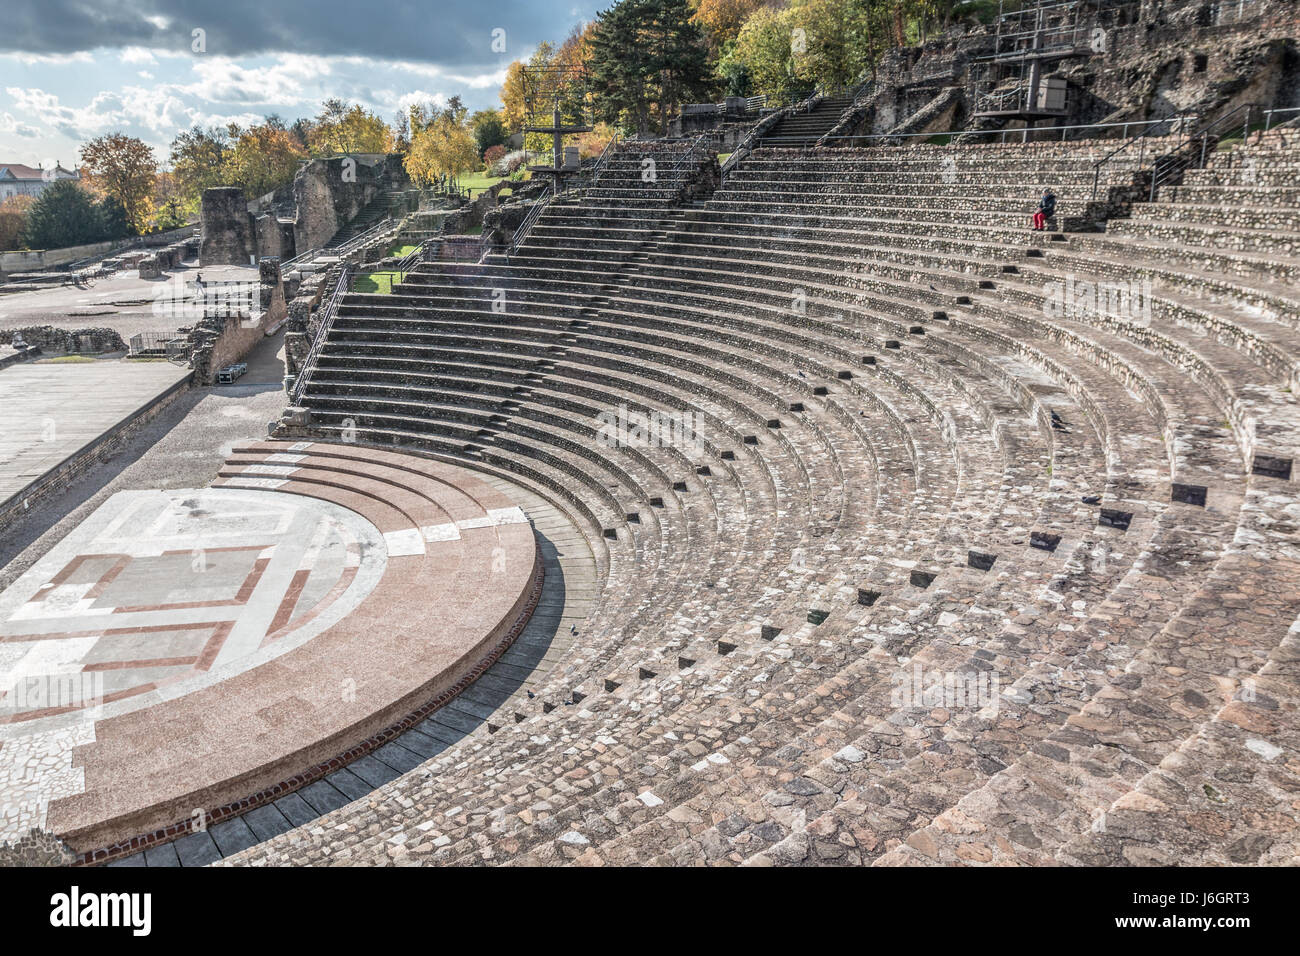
(328, 311)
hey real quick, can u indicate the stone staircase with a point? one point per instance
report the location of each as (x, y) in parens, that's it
(366, 219)
(921, 445)
(811, 124)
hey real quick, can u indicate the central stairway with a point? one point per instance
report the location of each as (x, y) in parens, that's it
(807, 126)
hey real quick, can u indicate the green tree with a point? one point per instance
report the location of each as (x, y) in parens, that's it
(63, 215)
(197, 157)
(647, 57)
(620, 68)
(489, 130)
(113, 222)
(763, 54)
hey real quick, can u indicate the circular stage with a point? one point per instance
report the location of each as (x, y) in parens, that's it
(187, 654)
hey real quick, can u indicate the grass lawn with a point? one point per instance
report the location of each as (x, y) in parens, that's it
(402, 251)
(722, 158)
(1232, 137)
(378, 282)
(477, 182)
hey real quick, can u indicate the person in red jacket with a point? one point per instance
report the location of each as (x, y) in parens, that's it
(1046, 206)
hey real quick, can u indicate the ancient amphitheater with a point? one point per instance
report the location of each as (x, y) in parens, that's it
(806, 510)
(906, 465)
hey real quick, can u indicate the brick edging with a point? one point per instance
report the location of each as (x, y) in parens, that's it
(267, 795)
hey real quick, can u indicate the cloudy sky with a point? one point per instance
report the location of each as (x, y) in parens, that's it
(71, 70)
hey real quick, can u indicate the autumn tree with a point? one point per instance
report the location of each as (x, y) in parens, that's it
(441, 143)
(170, 207)
(593, 143)
(343, 129)
(13, 216)
(513, 104)
(262, 159)
(197, 158)
(122, 167)
(721, 20)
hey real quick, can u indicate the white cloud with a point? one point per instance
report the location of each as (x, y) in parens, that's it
(137, 55)
(10, 125)
(56, 59)
(223, 80)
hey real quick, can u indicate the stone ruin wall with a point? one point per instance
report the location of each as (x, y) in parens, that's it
(1160, 57)
(228, 237)
(325, 197)
(330, 193)
(216, 341)
(48, 339)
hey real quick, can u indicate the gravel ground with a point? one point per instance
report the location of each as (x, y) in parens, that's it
(183, 447)
(123, 301)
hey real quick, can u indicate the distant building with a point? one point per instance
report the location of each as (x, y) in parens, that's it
(19, 180)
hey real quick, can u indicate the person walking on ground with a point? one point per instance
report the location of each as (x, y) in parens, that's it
(1046, 207)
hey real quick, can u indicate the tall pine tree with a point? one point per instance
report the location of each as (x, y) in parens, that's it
(647, 56)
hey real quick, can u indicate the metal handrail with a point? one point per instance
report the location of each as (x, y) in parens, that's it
(361, 239)
(526, 226)
(889, 138)
(746, 145)
(680, 169)
(307, 256)
(330, 310)
(605, 155)
(1268, 117)
(1167, 167)
(1139, 138)
(412, 259)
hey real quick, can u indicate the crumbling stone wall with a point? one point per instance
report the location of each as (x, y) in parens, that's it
(270, 241)
(329, 193)
(215, 341)
(228, 235)
(1149, 60)
(271, 294)
(49, 339)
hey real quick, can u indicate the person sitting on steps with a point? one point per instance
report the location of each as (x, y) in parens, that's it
(1046, 207)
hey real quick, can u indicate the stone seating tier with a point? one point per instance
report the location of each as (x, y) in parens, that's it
(906, 459)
